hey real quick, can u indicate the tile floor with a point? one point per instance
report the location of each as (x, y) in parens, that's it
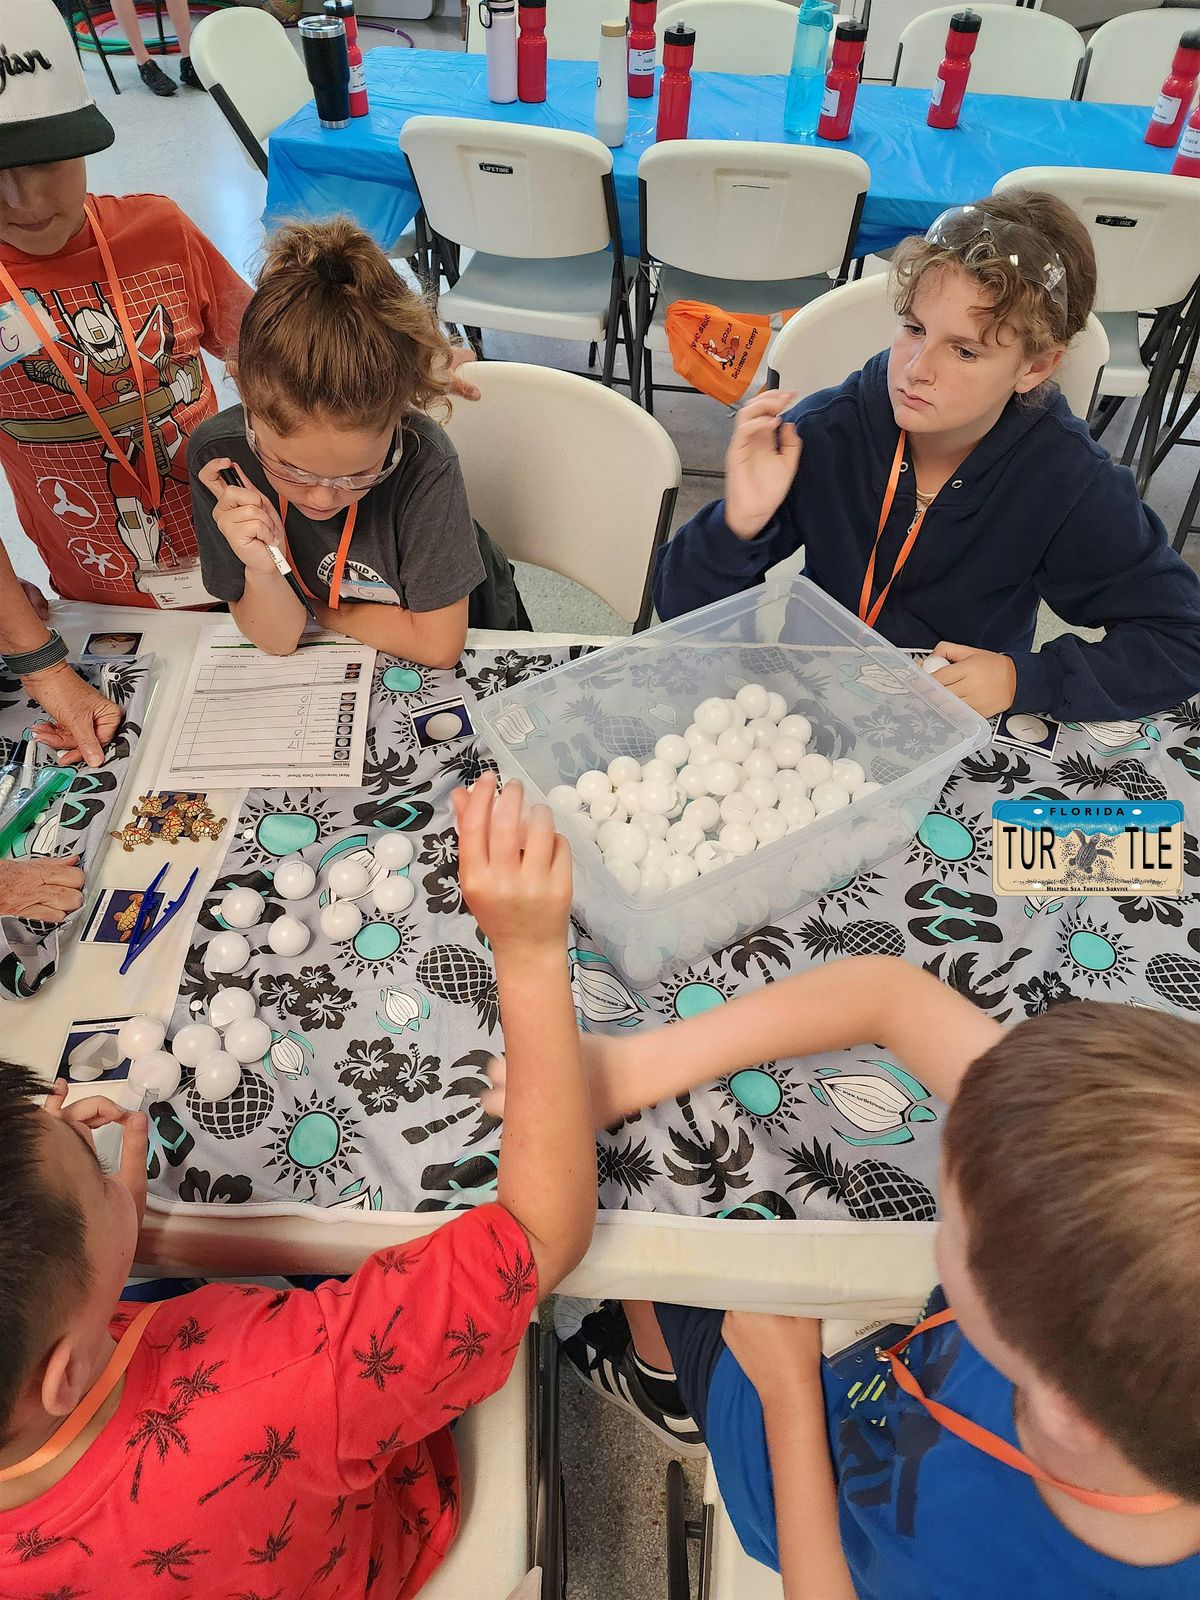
(182, 147)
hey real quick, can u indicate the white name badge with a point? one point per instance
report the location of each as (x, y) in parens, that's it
(175, 587)
(18, 341)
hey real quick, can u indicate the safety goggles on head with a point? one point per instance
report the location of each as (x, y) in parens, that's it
(355, 481)
(976, 236)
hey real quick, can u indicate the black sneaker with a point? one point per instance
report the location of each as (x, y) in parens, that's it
(155, 79)
(187, 74)
(596, 1340)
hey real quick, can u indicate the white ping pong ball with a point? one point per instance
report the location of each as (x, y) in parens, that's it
(624, 769)
(934, 663)
(393, 850)
(865, 789)
(761, 732)
(157, 1072)
(394, 894)
(658, 771)
(288, 936)
(197, 1039)
(248, 1039)
(562, 798)
(753, 699)
(592, 786)
(226, 952)
(721, 777)
(796, 727)
(776, 707)
(768, 826)
(734, 745)
(703, 814)
(848, 773)
(679, 870)
(672, 747)
(685, 838)
(814, 769)
(138, 1036)
(230, 1005)
(828, 797)
(625, 872)
(217, 1075)
(712, 717)
(294, 878)
(348, 879)
(444, 725)
(241, 908)
(738, 838)
(340, 921)
(786, 750)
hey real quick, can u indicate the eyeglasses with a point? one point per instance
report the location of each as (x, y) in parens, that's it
(976, 236)
(311, 480)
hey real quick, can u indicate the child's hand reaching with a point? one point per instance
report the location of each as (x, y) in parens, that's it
(515, 871)
(246, 518)
(985, 680)
(614, 1077)
(98, 1111)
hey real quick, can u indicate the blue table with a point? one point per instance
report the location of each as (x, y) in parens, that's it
(916, 171)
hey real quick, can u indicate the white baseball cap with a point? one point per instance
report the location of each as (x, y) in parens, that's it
(46, 111)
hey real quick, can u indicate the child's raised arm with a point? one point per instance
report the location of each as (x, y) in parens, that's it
(515, 873)
(864, 999)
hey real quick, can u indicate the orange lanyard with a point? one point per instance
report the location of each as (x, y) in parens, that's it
(867, 612)
(339, 562)
(66, 1435)
(46, 334)
(1136, 1505)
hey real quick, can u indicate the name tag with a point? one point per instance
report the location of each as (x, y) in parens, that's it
(18, 341)
(380, 594)
(175, 588)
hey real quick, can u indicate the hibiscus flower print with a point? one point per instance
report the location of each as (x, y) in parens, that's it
(383, 1076)
(227, 1189)
(508, 669)
(1039, 994)
(321, 1002)
(278, 992)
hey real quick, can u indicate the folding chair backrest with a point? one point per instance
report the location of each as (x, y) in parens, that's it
(1020, 52)
(566, 474)
(750, 36)
(250, 56)
(751, 211)
(838, 334)
(1144, 228)
(510, 190)
(1128, 58)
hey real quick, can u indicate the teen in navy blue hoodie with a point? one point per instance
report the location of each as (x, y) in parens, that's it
(1022, 504)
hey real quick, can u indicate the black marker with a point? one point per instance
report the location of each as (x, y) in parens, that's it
(233, 478)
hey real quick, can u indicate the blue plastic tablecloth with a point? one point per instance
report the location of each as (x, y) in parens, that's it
(916, 171)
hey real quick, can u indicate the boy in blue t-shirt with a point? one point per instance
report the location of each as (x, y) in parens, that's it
(1066, 1465)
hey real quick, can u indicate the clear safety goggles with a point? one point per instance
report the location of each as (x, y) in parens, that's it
(976, 236)
(355, 481)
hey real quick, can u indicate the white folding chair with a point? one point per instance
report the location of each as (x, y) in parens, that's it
(538, 209)
(744, 226)
(249, 66)
(568, 475)
(836, 335)
(1128, 58)
(1145, 229)
(510, 1536)
(572, 28)
(724, 1570)
(750, 36)
(1019, 52)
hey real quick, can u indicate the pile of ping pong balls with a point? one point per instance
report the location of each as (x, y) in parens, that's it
(738, 778)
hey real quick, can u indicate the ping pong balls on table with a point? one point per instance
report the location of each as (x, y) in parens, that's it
(934, 663)
(848, 773)
(673, 748)
(734, 745)
(348, 879)
(394, 894)
(226, 952)
(288, 936)
(659, 771)
(294, 878)
(828, 797)
(712, 717)
(392, 850)
(796, 727)
(192, 1042)
(340, 921)
(624, 769)
(721, 777)
(814, 769)
(592, 786)
(217, 1075)
(753, 699)
(248, 1039)
(241, 908)
(230, 1005)
(568, 802)
(138, 1036)
(776, 707)
(157, 1073)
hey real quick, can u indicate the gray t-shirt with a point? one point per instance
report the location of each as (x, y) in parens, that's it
(414, 543)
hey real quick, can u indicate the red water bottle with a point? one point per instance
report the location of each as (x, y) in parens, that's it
(1187, 161)
(641, 48)
(359, 105)
(675, 90)
(531, 51)
(841, 82)
(951, 85)
(1175, 96)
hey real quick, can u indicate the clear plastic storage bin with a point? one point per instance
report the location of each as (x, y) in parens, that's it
(864, 698)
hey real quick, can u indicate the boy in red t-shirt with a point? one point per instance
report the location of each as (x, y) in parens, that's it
(94, 423)
(288, 1443)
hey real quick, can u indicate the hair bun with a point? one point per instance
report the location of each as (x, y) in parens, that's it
(334, 270)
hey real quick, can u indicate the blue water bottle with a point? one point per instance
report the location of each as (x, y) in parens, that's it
(810, 55)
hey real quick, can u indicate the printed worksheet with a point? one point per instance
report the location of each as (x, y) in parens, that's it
(248, 720)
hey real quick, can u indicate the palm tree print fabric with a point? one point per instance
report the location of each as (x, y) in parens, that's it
(77, 822)
(288, 1443)
(368, 1097)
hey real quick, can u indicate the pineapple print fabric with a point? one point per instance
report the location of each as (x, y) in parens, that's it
(75, 823)
(368, 1096)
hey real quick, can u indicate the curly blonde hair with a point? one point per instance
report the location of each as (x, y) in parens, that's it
(333, 332)
(1023, 307)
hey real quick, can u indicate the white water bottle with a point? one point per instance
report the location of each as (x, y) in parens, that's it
(499, 19)
(612, 100)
